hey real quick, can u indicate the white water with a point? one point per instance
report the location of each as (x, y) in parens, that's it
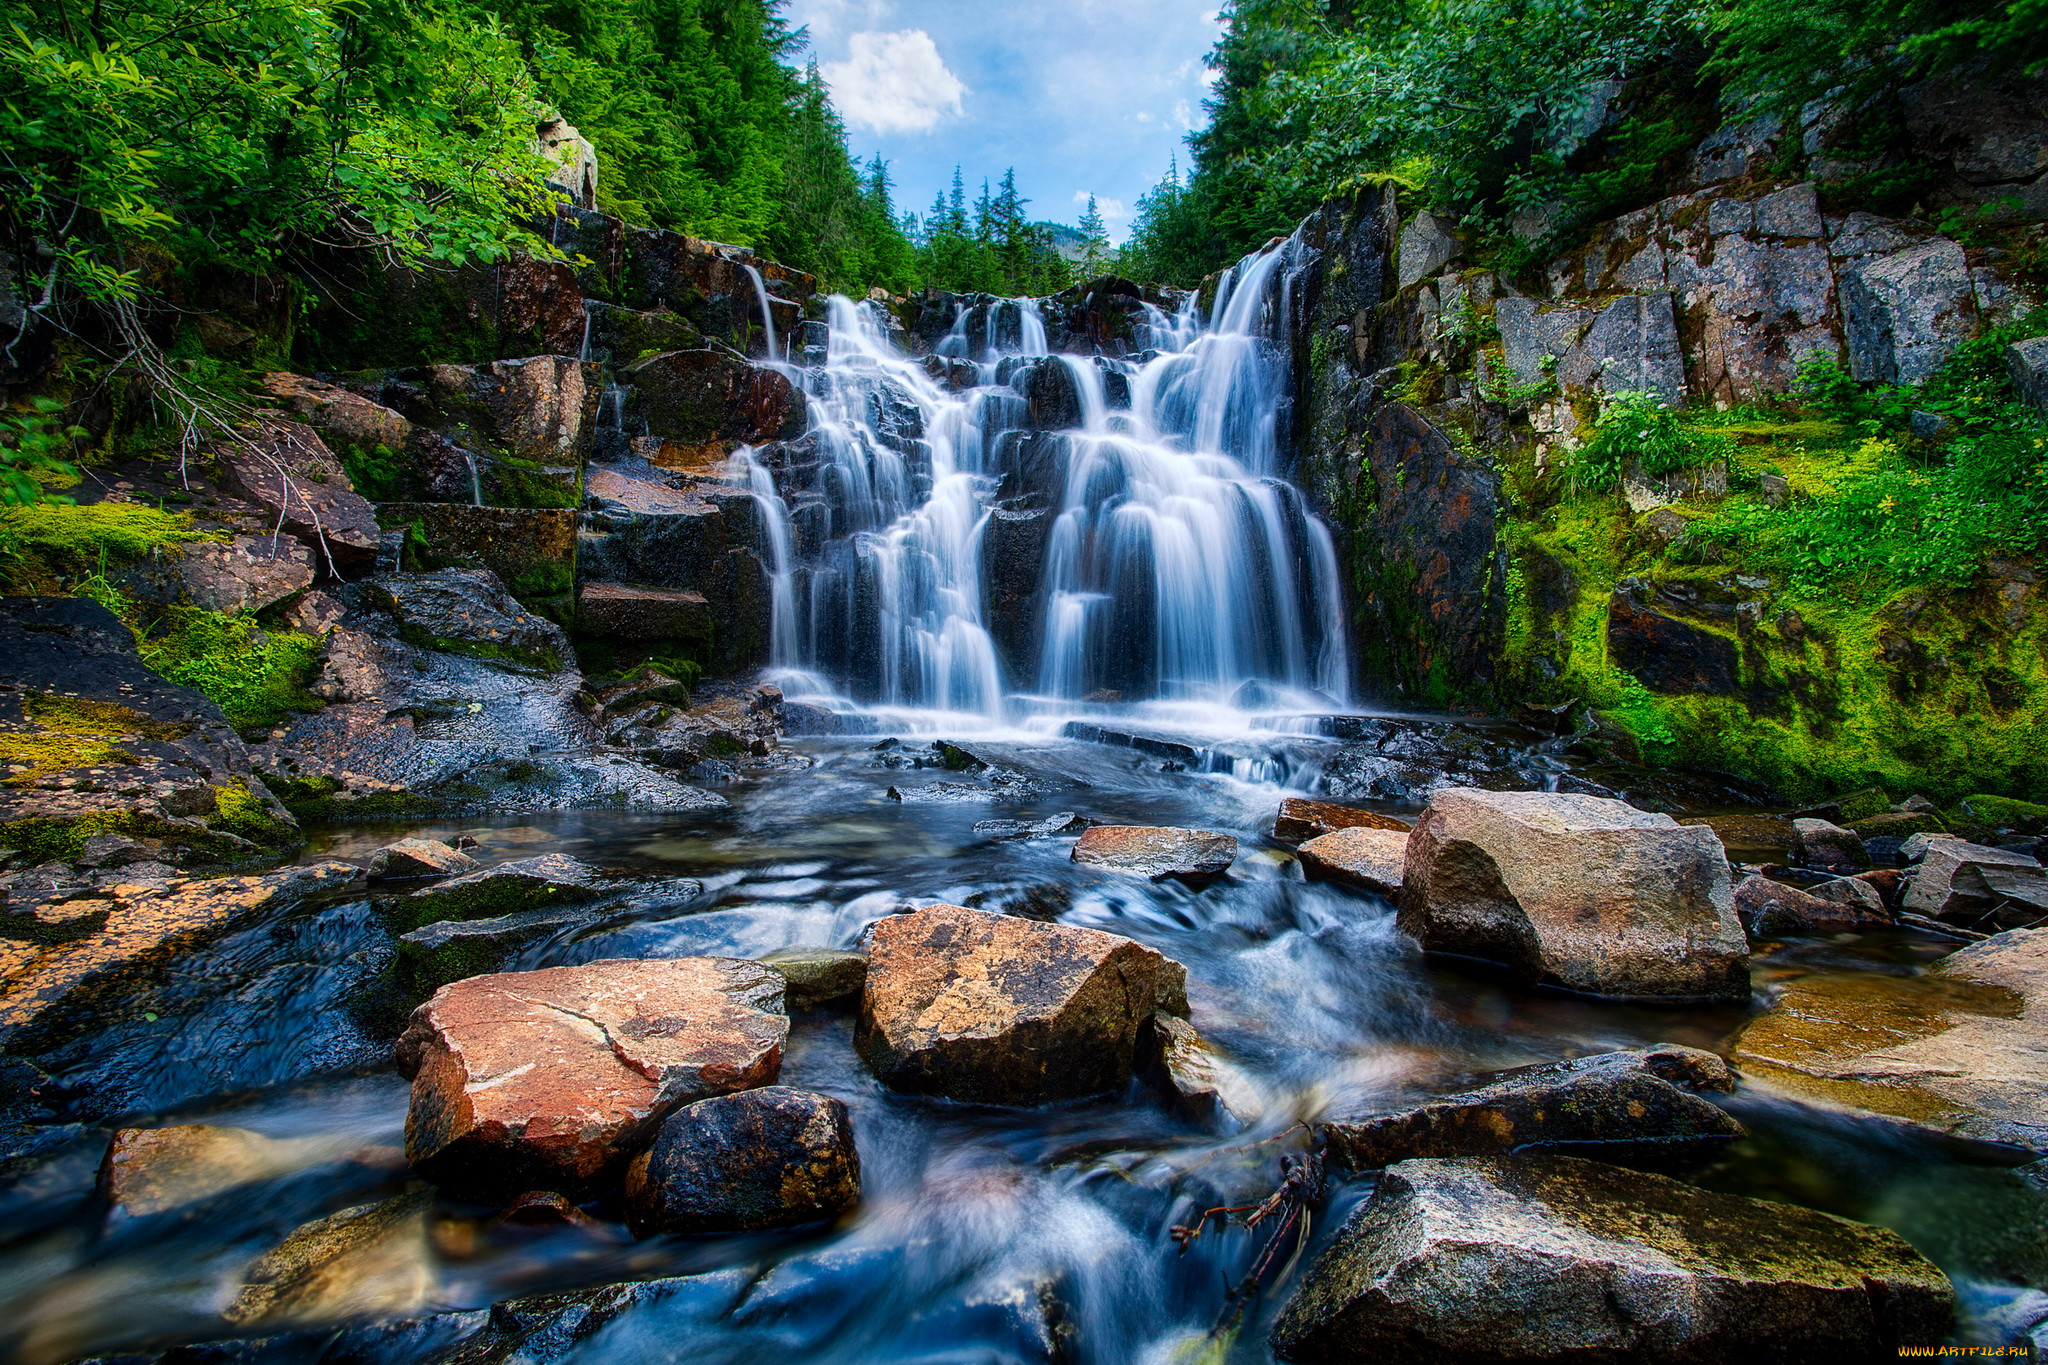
(1177, 564)
(767, 317)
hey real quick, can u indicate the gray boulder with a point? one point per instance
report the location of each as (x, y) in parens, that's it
(1427, 245)
(1581, 892)
(528, 884)
(2027, 363)
(1553, 1258)
(418, 858)
(762, 1158)
(1905, 313)
(1642, 1103)
(1829, 847)
(1157, 852)
(1769, 908)
(1957, 879)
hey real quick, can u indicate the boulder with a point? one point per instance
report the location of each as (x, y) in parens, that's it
(1196, 1079)
(244, 574)
(284, 468)
(1581, 892)
(1769, 909)
(621, 611)
(764, 1158)
(551, 879)
(52, 982)
(469, 611)
(548, 1079)
(1640, 1102)
(1957, 1050)
(1828, 847)
(1428, 244)
(1554, 1258)
(818, 976)
(1001, 1010)
(2027, 363)
(370, 1261)
(1301, 820)
(1157, 852)
(416, 857)
(1958, 880)
(1857, 893)
(1361, 857)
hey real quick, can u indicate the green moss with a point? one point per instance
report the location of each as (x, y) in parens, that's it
(256, 677)
(241, 813)
(2005, 812)
(546, 660)
(46, 542)
(61, 838)
(75, 733)
(392, 805)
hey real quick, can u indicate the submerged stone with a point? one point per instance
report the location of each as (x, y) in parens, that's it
(1576, 891)
(436, 954)
(818, 976)
(154, 1170)
(547, 1079)
(1553, 1258)
(1195, 1078)
(370, 1261)
(1157, 852)
(1640, 1102)
(985, 1007)
(758, 1159)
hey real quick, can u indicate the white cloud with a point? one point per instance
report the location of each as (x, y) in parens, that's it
(1184, 114)
(1143, 116)
(1112, 210)
(893, 83)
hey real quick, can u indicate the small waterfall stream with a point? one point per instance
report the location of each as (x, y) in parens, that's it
(1140, 501)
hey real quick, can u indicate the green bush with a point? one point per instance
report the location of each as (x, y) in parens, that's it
(1639, 428)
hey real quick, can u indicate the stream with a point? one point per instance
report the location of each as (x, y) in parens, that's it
(1187, 599)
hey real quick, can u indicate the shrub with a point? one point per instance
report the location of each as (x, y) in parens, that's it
(1639, 428)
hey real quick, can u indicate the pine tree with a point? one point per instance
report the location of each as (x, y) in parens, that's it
(1094, 242)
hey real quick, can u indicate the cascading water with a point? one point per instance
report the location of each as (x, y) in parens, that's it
(1003, 530)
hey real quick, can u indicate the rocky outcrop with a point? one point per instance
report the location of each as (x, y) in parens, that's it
(1621, 1106)
(766, 1158)
(1157, 852)
(1000, 1010)
(1768, 908)
(531, 550)
(1554, 1258)
(284, 468)
(1576, 891)
(1969, 883)
(1958, 1050)
(550, 1079)
(1360, 857)
(697, 407)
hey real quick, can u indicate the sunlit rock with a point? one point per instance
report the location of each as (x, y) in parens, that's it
(373, 1260)
(416, 857)
(762, 1158)
(547, 1079)
(1576, 891)
(1361, 857)
(1640, 1102)
(1542, 1257)
(987, 1007)
(1157, 852)
(1301, 820)
(153, 1170)
(1962, 1049)
(1196, 1078)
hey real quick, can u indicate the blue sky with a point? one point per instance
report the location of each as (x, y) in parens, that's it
(1081, 96)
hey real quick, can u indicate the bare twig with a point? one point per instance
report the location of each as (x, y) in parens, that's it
(1286, 1208)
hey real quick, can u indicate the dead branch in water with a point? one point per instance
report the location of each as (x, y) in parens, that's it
(1286, 1209)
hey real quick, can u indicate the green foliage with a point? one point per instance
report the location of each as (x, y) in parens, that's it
(989, 247)
(1639, 428)
(47, 542)
(258, 678)
(35, 449)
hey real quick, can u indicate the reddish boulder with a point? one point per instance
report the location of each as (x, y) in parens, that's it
(1301, 820)
(987, 1007)
(1367, 859)
(547, 1079)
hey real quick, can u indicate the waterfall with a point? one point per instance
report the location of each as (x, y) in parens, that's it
(1069, 528)
(767, 318)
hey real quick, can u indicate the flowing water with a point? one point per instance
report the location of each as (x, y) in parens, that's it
(1181, 568)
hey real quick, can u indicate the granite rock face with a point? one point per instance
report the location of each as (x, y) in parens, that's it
(1643, 1103)
(1576, 891)
(1364, 858)
(1157, 852)
(1553, 1258)
(549, 1079)
(1001, 1010)
(762, 1158)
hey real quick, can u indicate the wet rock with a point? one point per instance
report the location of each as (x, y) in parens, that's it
(708, 284)
(1195, 1078)
(1364, 858)
(1576, 891)
(1858, 894)
(1635, 1105)
(418, 858)
(373, 1260)
(1301, 820)
(1667, 654)
(154, 1170)
(470, 611)
(1002, 1010)
(1818, 844)
(552, 879)
(46, 985)
(1543, 1257)
(434, 955)
(287, 470)
(1769, 909)
(699, 406)
(548, 1079)
(818, 976)
(624, 612)
(1957, 1050)
(764, 1158)
(1958, 880)
(1157, 852)
(1051, 827)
